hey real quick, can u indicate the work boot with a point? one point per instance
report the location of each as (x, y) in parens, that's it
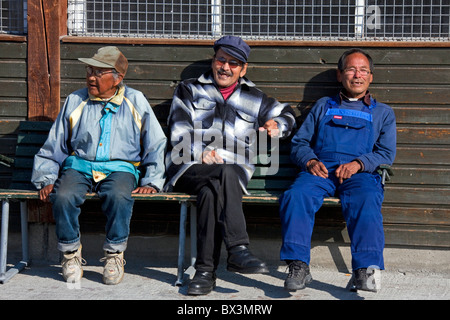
(71, 263)
(113, 270)
(366, 279)
(240, 259)
(298, 276)
(202, 283)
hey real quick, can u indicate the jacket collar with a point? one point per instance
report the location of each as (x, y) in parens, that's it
(117, 99)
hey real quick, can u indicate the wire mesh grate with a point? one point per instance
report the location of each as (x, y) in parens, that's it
(425, 20)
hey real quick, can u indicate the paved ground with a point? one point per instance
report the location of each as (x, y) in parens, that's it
(411, 274)
(44, 282)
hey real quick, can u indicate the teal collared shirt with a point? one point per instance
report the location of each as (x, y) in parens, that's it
(102, 166)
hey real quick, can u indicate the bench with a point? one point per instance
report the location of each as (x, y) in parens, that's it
(264, 190)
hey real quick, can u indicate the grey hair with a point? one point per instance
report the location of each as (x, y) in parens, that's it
(115, 74)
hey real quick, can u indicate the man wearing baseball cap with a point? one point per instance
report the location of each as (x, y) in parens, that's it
(106, 139)
(211, 121)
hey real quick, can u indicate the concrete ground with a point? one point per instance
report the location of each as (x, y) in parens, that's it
(411, 274)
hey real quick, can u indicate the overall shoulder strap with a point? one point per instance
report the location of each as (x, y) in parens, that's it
(373, 103)
(333, 102)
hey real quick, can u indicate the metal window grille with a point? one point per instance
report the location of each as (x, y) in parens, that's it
(13, 17)
(425, 20)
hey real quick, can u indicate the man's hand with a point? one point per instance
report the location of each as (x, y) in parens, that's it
(345, 171)
(272, 128)
(211, 157)
(145, 189)
(317, 168)
(45, 192)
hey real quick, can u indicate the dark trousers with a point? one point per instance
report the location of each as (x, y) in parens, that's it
(219, 210)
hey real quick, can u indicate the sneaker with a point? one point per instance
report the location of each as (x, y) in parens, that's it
(367, 279)
(72, 263)
(298, 276)
(113, 270)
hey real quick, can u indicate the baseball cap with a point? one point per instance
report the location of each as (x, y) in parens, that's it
(108, 57)
(234, 46)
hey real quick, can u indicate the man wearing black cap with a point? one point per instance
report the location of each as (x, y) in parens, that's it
(213, 122)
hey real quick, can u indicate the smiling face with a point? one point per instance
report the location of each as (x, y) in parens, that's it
(356, 75)
(102, 83)
(224, 74)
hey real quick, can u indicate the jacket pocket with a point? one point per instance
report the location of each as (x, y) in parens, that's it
(246, 117)
(204, 111)
(244, 127)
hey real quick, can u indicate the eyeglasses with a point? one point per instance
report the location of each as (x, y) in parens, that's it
(232, 63)
(353, 71)
(98, 72)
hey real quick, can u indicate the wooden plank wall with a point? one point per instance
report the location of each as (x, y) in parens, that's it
(13, 98)
(414, 81)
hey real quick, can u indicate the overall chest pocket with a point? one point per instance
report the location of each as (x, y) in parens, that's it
(348, 122)
(347, 135)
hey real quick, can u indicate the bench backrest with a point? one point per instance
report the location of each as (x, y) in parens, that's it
(32, 135)
(274, 171)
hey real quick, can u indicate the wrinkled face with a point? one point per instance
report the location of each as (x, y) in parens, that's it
(227, 69)
(356, 76)
(101, 82)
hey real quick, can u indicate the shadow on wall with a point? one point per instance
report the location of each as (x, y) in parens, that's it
(194, 70)
(323, 84)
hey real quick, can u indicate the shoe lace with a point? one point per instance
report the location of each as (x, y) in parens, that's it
(295, 268)
(74, 261)
(113, 262)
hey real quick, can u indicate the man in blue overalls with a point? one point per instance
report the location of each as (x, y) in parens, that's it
(338, 148)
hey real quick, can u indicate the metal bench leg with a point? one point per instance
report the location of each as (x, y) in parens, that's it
(5, 276)
(24, 229)
(193, 233)
(4, 239)
(181, 242)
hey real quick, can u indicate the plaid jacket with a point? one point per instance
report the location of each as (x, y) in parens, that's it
(200, 119)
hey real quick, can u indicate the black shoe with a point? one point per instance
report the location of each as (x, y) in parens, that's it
(202, 283)
(366, 279)
(298, 276)
(240, 259)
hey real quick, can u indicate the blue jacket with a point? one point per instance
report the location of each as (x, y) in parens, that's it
(382, 147)
(98, 138)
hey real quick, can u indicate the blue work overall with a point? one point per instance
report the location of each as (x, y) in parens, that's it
(343, 135)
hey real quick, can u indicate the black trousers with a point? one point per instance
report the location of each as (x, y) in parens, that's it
(219, 209)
